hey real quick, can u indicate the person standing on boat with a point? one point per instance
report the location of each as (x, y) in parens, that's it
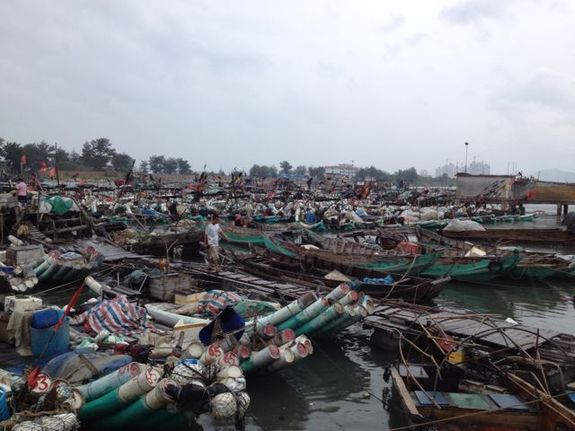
(22, 191)
(212, 240)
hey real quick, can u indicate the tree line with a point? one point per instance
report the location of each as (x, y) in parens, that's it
(97, 155)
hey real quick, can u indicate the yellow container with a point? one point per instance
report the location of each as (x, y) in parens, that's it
(456, 357)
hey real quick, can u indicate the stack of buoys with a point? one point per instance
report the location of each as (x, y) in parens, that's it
(205, 379)
(58, 267)
(278, 339)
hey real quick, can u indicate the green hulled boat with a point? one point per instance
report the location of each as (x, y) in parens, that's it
(474, 269)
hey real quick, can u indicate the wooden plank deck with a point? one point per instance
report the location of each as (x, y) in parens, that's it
(111, 253)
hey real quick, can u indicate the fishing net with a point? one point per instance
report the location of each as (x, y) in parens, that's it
(248, 308)
(277, 248)
(62, 422)
(60, 206)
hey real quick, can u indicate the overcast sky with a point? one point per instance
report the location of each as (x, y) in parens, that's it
(231, 83)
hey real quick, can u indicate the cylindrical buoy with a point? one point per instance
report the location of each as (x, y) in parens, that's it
(211, 354)
(228, 358)
(244, 353)
(194, 350)
(305, 315)
(284, 313)
(329, 328)
(338, 292)
(284, 337)
(287, 356)
(157, 398)
(349, 298)
(103, 385)
(139, 385)
(261, 358)
(317, 322)
(120, 397)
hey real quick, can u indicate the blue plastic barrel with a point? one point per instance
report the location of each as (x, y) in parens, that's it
(4, 409)
(58, 342)
(46, 318)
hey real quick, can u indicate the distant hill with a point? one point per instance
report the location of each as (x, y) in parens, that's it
(556, 175)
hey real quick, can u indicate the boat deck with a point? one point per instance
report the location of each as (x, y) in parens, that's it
(486, 329)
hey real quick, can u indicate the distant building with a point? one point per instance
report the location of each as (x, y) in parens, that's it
(479, 168)
(475, 168)
(342, 170)
(448, 169)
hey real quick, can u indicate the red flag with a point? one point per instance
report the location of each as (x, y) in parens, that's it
(70, 305)
(23, 159)
(53, 172)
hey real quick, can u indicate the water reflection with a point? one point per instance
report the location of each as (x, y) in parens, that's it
(544, 303)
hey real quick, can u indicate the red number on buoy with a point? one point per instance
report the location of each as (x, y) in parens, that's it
(43, 383)
(150, 377)
(213, 350)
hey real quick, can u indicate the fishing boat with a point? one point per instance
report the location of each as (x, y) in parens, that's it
(446, 400)
(411, 288)
(550, 235)
(532, 265)
(368, 264)
(473, 268)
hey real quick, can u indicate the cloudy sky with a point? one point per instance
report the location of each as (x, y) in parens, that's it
(231, 83)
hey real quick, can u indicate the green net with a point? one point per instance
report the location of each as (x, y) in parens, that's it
(276, 247)
(59, 205)
(248, 308)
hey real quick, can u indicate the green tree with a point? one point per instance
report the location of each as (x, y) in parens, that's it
(301, 170)
(35, 153)
(171, 166)
(184, 167)
(122, 162)
(12, 153)
(373, 173)
(60, 153)
(407, 176)
(285, 167)
(97, 153)
(144, 166)
(74, 156)
(317, 173)
(263, 171)
(157, 164)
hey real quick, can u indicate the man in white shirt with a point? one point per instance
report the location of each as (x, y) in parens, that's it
(212, 240)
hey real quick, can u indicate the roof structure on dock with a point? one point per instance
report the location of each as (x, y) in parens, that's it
(111, 252)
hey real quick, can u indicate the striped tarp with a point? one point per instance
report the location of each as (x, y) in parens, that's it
(118, 316)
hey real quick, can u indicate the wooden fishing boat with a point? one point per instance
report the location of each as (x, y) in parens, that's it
(357, 265)
(448, 401)
(551, 235)
(531, 265)
(411, 289)
(470, 268)
(452, 261)
(535, 265)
